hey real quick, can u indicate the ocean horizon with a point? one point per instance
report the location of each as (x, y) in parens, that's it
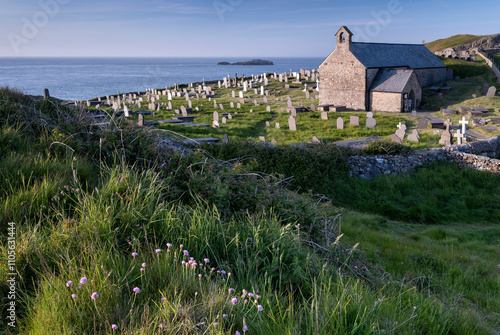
(72, 78)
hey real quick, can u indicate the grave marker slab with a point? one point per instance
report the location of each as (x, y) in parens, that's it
(324, 115)
(340, 123)
(396, 139)
(422, 124)
(354, 121)
(292, 124)
(414, 136)
(371, 122)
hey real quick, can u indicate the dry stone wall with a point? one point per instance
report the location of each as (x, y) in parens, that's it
(480, 156)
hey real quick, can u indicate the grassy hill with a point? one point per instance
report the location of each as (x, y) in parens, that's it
(453, 41)
(117, 233)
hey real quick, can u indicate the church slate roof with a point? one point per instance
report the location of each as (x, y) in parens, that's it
(391, 81)
(384, 55)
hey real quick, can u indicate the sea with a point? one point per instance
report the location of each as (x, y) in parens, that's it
(87, 78)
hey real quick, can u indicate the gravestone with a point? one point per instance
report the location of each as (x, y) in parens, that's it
(238, 105)
(422, 124)
(233, 94)
(262, 138)
(354, 121)
(324, 115)
(292, 124)
(225, 139)
(293, 111)
(414, 113)
(446, 138)
(231, 104)
(491, 92)
(277, 125)
(241, 94)
(484, 89)
(229, 116)
(140, 121)
(369, 114)
(265, 100)
(307, 95)
(464, 122)
(413, 137)
(401, 133)
(224, 120)
(268, 109)
(169, 105)
(221, 106)
(396, 139)
(449, 74)
(371, 123)
(402, 126)
(316, 140)
(287, 86)
(184, 111)
(268, 124)
(313, 107)
(340, 123)
(459, 137)
(216, 116)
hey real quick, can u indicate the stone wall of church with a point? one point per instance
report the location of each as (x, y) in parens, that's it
(386, 102)
(343, 80)
(428, 77)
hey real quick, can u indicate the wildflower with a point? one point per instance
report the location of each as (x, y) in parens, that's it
(246, 301)
(234, 301)
(223, 280)
(136, 290)
(158, 251)
(115, 327)
(142, 269)
(69, 283)
(83, 280)
(134, 254)
(169, 245)
(102, 267)
(231, 290)
(224, 316)
(181, 246)
(199, 276)
(229, 274)
(73, 296)
(183, 263)
(355, 267)
(245, 292)
(245, 328)
(94, 296)
(143, 265)
(257, 296)
(162, 325)
(206, 260)
(223, 272)
(186, 253)
(163, 299)
(237, 333)
(250, 295)
(260, 308)
(214, 324)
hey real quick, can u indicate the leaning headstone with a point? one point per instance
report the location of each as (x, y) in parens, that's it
(313, 107)
(324, 115)
(225, 139)
(340, 123)
(413, 137)
(396, 139)
(491, 92)
(292, 124)
(354, 120)
(401, 133)
(422, 124)
(371, 123)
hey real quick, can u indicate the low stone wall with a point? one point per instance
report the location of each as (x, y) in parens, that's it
(492, 65)
(481, 156)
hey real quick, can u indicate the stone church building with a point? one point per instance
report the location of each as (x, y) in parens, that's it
(377, 76)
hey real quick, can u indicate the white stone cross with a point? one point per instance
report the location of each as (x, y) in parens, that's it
(459, 136)
(463, 123)
(400, 125)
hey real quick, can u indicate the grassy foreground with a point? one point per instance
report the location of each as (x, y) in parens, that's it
(118, 234)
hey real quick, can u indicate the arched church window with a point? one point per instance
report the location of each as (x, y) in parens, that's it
(342, 37)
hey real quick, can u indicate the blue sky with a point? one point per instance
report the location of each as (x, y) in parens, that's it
(228, 28)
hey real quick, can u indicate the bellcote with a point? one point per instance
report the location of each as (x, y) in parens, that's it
(344, 38)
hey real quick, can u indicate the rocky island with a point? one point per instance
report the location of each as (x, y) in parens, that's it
(249, 62)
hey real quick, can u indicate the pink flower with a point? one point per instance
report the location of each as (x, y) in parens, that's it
(158, 251)
(260, 308)
(163, 299)
(237, 333)
(181, 246)
(169, 245)
(231, 290)
(134, 254)
(143, 265)
(258, 296)
(214, 324)
(224, 316)
(94, 296)
(245, 301)
(115, 327)
(234, 301)
(206, 260)
(69, 283)
(199, 276)
(245, 328)
(250, 295)
(73, 296)
(245, 292)
(136, 289)
(142, 269)
(83, 280)
(186, 253)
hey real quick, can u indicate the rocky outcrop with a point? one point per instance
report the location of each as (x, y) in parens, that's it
(249, 62)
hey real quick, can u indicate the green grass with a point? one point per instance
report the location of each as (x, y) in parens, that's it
(496, 58)
(86, 210)
(452, 41)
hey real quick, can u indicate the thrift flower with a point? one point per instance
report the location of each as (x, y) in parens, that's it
(186, 253)
(245, 328)
(260, 308)
(115, 327)
(158, 251)
(136, 290)
(163, 299)
(224, 316)
(73, 296)
(214, 324)
(69, 283)
(234, 301)
(94, 296)
(199, 276)
(169, 245)
(143, 265)
(237, 333)
(231, 290)
(134, 254)
(181, 246)
(206, 260)
(142, 269)
(245, 292)
(83, 280)
(250, 295)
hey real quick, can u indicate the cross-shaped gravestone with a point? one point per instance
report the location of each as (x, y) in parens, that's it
(459, 136)
(464, 122)
(401, 126)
